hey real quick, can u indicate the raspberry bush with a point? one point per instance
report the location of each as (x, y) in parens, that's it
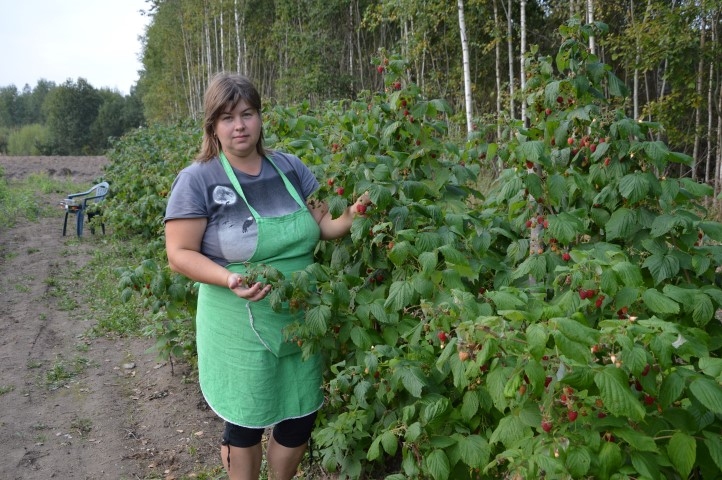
(560, 323)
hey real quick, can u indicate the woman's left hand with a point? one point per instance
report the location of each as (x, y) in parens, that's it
(252, 293)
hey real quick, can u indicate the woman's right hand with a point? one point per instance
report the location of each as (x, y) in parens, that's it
(252, 293)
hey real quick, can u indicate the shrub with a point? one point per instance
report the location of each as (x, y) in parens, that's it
(561, 324)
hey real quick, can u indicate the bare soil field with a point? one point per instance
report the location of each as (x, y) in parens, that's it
(75, 406)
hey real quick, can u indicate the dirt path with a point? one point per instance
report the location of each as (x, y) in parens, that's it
(73, 406)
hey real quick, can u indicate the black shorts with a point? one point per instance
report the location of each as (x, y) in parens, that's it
(290, 433)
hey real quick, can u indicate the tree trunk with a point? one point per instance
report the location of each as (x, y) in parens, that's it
(222, 53)
(522, 61)
(467, 72)
(590, 20)
(497, 65)
(708, 174)
(635, 87)
(207, 37)
(510, 51)
(238, 35)
(718, 163)
(718, 156)
(698, 91)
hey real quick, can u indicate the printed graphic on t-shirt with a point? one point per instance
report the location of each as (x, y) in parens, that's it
(237, 233)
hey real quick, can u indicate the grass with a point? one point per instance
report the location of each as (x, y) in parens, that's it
(61, 372)
(18, 199)
(6, 389)
(114, 317)
(82, 425)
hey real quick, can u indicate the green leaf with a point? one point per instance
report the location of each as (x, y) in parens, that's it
(360, 337)
(637, 440)
(696, 189)
(659, 303)
(536, 337)
(533, 185)
(360, 391)
(679, 157)
(682, 451)
(634, 187)
(683, 296)
(610, 458)
(438, 466)
(656, 150)
(662, 266)
(495, 383)
(708, 392)
(646, 464)
(411, 378)
(374, 451)
(378, 312)
(382, 172)
(505, 300)
(712, 229)
(664, 223)
(389, 442)
(317, 319)
(635, 359)
(336, 205)
(703, 310)
(571, 348)
(531, 150)
(453, 255)
(576, 331)
(400, 295)
(400, 252)
(600, 152)
(557, 187)
(474, 450)
(565, 227)
(413, 432)
(578, 461)
(629, 273)
(428, 261)
(713, 443)
(621, 224)
(617, 87)
(711, 366)
(615, 393)
(509, 431)
(469, 405)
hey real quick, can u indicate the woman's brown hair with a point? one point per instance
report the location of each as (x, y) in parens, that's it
(222, 95)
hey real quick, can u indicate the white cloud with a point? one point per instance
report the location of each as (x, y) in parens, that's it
(58, 40)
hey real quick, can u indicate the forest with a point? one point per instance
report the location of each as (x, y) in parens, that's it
(472, 53)
(535, 290)
(69, 119)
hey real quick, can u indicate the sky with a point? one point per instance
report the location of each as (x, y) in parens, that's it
(57, 40)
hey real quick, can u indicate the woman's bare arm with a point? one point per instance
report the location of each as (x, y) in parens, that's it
(183, 239)
(332, 228)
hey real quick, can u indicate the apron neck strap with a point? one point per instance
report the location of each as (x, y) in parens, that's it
(234, 181)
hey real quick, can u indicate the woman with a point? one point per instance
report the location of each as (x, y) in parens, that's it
(238, 203)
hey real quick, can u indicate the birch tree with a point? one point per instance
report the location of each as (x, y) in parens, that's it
(522, 55)
(698, 91)
(497, 66)
(590, 20)
(510, 52)
(467, 74)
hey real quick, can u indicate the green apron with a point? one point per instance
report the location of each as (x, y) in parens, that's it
(249, 375)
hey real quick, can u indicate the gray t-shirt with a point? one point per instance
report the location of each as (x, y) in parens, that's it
(203, 190)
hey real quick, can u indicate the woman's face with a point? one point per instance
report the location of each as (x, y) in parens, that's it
(238, 131)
